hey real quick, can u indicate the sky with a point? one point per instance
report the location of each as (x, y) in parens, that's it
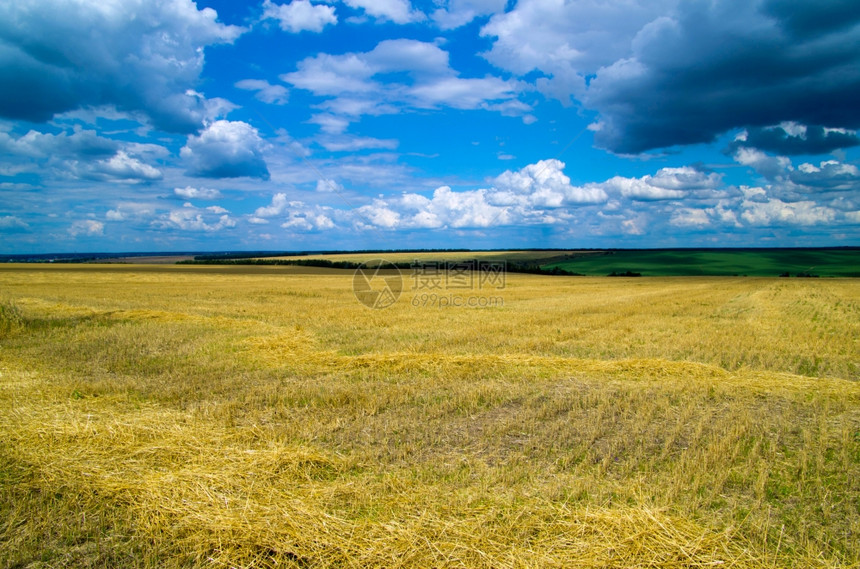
(165, 125)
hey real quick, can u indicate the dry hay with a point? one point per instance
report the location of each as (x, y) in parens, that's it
(204, 494)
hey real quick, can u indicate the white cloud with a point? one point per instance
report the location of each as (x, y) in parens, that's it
(226, 149)
(87, 227)
(828, 175)
(12, 222)
(461, 93)
(777, 212)
(566, 40)
(266, 92)
(328, 185)
(190, 218)
(689, 217)
(301, 217)
(425, 81)
(801, 182)
(131, 211)
(397, 11)
(529, 195)
(326, 74)
(771, 167)
(379, 215)
(189, 193)
(139, 56)
(123, 168)
(456, 13)
(80, 143)
(666, 184)
(300, 15)
(640, 189)
(300, 221)
(545, 184)
(725, 213)
(355, 143)
(84, 154)
(635, 226)
(277, 207)
(323, 222)
(463, 209)
(330, 124)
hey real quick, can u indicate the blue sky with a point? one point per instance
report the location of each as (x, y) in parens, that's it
(165, 125)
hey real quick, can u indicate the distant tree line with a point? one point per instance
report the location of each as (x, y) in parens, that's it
(509, 266)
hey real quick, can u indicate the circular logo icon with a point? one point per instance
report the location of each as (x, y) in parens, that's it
(377, 283)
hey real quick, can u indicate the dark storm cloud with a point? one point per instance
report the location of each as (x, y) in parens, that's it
(715, 66)
(810, 140)
(137, 56)
(808, 19)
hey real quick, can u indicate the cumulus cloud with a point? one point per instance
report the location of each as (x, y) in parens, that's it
(546, 185)
(189, 192)
(122, 168)
(139, 56)
(87, 227)
(303, 218)
(12, 223)
(296, 215)
(710, 67)
(83, 154)
(689, 217)
(397, 11)
(226, 149)
(566, 41)
(131, 211)
(300, 15)
(774, 211)
(684, 198)
(674, 200)
(277, 207)
(828, 175)
(79, 143)
(190, 218)
(537, 193)
(448, 208)
(455, 13)
(666, 73)
(265, 91)
(328, 185)
(801, 181)
(418, 75)
(379, 214)
(530, 195)
(667, 184)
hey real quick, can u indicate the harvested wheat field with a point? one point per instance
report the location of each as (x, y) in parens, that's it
(263, 417)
